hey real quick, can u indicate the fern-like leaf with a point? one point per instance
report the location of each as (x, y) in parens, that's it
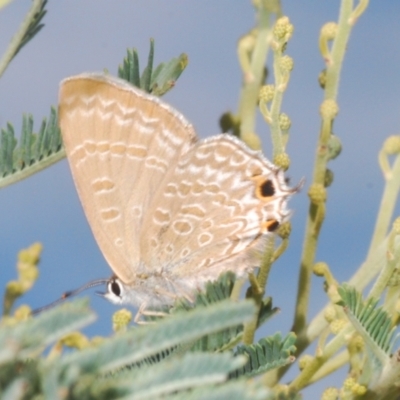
(371, 322)
(158, 82)
(35, 152)
(381, 372)
(100, 373)
(34, 27)
(181, 374)
(269, 353)
(233, 390)
(30, 337)
(215, 292)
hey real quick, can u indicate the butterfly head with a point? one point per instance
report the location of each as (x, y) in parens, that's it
(116, 291)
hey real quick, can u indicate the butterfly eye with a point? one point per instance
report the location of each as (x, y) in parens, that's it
(115, 288)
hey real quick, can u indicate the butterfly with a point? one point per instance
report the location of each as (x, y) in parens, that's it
(169, 211)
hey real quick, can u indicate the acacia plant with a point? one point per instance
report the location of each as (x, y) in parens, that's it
(207, 349)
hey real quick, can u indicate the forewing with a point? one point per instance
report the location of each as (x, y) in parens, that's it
(120, 144)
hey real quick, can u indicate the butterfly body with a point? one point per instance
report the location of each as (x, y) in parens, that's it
(169, 211)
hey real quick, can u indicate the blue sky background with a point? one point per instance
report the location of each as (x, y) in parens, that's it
(93, 34)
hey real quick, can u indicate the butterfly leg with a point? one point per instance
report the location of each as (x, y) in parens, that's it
(143, 312)
(160, 291)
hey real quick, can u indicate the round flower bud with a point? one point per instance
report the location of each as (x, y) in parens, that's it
(289, 31)
(266, 93)
(317, 193)
(356, 344)
(334, 147)
(121, 319)
(330, 393)
(31, 254)
(284, 230)
(282, 161)
(392, 145)
(305, 360)
(286, 64)
(75, 340)
(337, 325)
(281, 28)
(329, 109)
(349, 383)
(359, 390)
(329, 30)
(284, 122)
(330, 314)
(15, 288)
(320, 268)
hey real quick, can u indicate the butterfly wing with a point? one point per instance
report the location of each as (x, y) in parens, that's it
(214, 211)
(121, 144)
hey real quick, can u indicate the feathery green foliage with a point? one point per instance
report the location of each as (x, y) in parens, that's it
(100, 372)
(36, 151)
(33, 147)
(371, 322)
(382, 369)
(157, 82)
(34, 26)
(216, 292)
(269, 353)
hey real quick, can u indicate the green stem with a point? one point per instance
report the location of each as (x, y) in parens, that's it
(18, 37)
(313, 224)
(363, 276)
(307, 335)
(393, 257)
(339, 48)
(276, 134)
(388, 203)
(331, 366)
(249, 91)
(304, 378)
(256, 292)
(377, 253)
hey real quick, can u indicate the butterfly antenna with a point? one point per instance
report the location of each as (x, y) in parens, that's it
(71, 293)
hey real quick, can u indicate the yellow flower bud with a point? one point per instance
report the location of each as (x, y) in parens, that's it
(317, 193)
(329, 109)
(282, 161)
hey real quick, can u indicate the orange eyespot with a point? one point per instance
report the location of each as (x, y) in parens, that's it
(271, 225)
(265, 188)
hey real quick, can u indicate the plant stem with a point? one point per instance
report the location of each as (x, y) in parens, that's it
(317, 211)
(313, 223)
(251, 86)
(388, 203)
(18, 37)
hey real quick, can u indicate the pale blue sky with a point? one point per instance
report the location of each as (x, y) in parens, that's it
(91, 35)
